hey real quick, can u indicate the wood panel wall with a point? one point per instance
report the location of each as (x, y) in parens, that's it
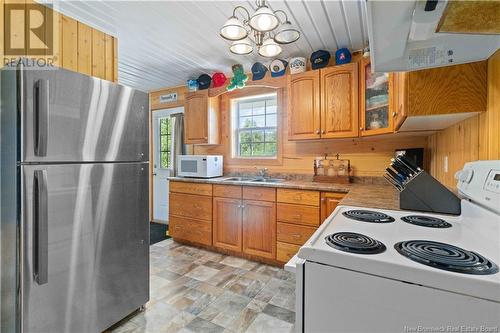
(472, 139)
(77, 46)
(369, 156)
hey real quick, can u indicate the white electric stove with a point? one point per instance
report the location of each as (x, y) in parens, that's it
(372, 270)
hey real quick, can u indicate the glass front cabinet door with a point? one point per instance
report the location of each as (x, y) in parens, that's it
(377, 101)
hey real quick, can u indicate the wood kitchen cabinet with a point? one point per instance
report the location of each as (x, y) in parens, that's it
(377, 96)
(323, 103)
(227, 223)
(190, 212)
(329, 201)
(201, 118)
(339, 101)
(247, 226)
(444, 90)
(401, 109)
(259, 228)
(304, 106)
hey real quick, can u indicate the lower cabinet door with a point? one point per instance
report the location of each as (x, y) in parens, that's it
(193, 230)
(227, 232)
(259, 228)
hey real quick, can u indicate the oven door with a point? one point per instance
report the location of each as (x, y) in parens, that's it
(296, 265)
(189, 166)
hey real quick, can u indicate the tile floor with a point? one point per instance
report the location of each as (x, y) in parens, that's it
(194, 290)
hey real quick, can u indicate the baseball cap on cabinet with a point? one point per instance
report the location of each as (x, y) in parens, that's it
(342, 56)
(297, 65)
(218, 79)
(278, 67)
(204, 81)
(319, 59)
(258, 71)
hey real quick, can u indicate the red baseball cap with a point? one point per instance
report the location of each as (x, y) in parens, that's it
(218, 79)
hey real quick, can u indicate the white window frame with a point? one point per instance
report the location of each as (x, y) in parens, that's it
(235, 129)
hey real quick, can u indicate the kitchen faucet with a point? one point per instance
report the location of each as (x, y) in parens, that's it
(262, 173)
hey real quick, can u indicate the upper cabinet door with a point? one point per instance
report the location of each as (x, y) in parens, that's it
(400, 112)
(196, 118)
(201, 119)
(339, 101)
(377, 101)
(304, 106)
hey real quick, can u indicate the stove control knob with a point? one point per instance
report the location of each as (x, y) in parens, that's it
(464, 175)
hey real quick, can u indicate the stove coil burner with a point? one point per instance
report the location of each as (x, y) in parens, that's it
(426, 221)
(368, 216)
(446, 257)
(354, 243)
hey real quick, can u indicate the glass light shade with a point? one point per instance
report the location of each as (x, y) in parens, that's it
(263, 20)
(286, 34)
(269, 48)
(233, 29)
(243, 46)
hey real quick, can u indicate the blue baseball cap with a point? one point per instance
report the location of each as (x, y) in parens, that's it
(319, 59)
(342, 56)
(258, 71)
(278, 67)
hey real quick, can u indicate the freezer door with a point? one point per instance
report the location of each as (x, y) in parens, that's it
(70, 117)
(85, 252)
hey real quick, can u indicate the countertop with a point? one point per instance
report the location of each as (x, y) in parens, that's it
(360, 195)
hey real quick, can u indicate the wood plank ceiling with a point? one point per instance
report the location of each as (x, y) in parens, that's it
(164, 43)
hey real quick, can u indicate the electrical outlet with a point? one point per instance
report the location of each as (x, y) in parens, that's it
(445, 164)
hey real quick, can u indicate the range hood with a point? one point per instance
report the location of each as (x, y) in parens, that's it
(403, 36)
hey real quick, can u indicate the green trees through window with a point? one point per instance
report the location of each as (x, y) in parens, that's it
(256, 125)
(165, 143)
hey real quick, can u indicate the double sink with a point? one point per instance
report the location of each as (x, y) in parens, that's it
(254, 180)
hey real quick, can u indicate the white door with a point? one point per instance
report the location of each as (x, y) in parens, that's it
(162, 161)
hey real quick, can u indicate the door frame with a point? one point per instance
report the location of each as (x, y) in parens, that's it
(155, 114)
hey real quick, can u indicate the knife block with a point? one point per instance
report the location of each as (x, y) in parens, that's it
(425, 194)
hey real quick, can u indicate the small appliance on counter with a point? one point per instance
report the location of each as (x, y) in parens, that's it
(200, 166)
(332, 170)
(418, 190)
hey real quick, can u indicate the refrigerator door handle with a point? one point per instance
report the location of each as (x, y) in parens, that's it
(40, 227)
(41, 115)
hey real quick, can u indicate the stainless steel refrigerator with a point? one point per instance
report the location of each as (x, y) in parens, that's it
(74, 201)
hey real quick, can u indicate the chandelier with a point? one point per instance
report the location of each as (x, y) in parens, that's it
(264, 29)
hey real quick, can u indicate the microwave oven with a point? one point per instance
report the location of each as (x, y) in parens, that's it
(199, 166)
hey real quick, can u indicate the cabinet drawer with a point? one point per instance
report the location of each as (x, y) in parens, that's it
(310, 198)
(259, 193)
(193, 230)
(191, 188)
(292, 233)
(285, 251)
(297, 214)
(227, 191)
(188, 205)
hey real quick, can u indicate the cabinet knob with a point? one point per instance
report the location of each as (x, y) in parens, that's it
(361, 128)
(394, 114)
(323, 199)
(323, 132)
(317, 132)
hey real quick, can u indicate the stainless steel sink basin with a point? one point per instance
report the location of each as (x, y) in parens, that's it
(238, 179)
(268, 180)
